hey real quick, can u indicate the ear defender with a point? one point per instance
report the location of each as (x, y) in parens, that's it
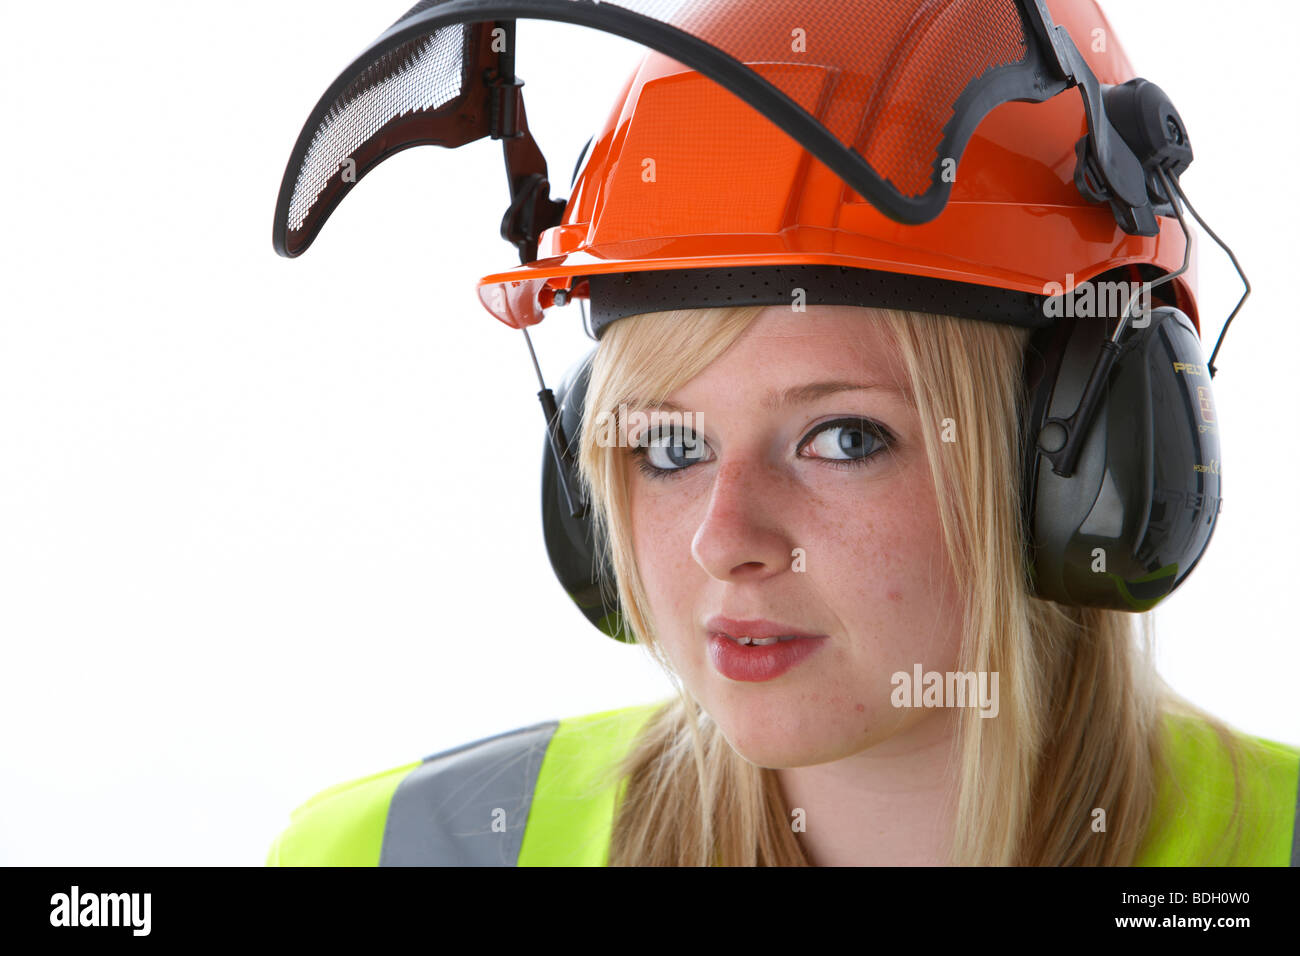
(1122, 531)
(570, 538)
(1127, 527)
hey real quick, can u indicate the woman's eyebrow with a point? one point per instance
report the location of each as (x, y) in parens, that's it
(802, 394)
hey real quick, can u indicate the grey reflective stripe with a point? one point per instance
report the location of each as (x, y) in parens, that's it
(467, 806)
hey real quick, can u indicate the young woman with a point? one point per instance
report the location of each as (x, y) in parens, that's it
(815, 493)
(914, 556)
(816, 522)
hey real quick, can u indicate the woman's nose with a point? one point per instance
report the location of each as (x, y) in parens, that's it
(743, 532)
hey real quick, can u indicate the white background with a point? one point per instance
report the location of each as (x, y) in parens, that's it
(269, 525)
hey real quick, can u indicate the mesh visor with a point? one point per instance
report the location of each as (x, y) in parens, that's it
(928, 73)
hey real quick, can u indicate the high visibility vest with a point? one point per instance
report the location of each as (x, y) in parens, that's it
(546, 795)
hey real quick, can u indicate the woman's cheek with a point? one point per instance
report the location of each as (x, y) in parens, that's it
(895, 590)
(913, 596)
(671, 580)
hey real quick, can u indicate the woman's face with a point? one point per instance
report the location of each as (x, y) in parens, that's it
(790, 514)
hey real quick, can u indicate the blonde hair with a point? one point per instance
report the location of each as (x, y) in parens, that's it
(1081, 700)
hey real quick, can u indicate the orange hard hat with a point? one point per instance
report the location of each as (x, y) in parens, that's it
(685, 174)
(893, 153)
(894, 138)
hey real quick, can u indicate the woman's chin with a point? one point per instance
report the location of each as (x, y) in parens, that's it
(780, 739)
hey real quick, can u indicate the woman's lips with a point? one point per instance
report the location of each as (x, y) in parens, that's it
(756, 628)
(737, 654)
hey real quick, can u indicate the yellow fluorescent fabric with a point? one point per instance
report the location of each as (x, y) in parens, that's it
(341, 826)
(1192, 819)
(573, 804)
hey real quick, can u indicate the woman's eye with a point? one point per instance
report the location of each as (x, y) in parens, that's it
(670, 450)
(852, 441)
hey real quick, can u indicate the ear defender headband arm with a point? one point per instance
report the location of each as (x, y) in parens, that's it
(566, 464)
(1061, 439)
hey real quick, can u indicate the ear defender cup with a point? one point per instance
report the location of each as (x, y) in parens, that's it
(1130, 524)
(570, 541)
